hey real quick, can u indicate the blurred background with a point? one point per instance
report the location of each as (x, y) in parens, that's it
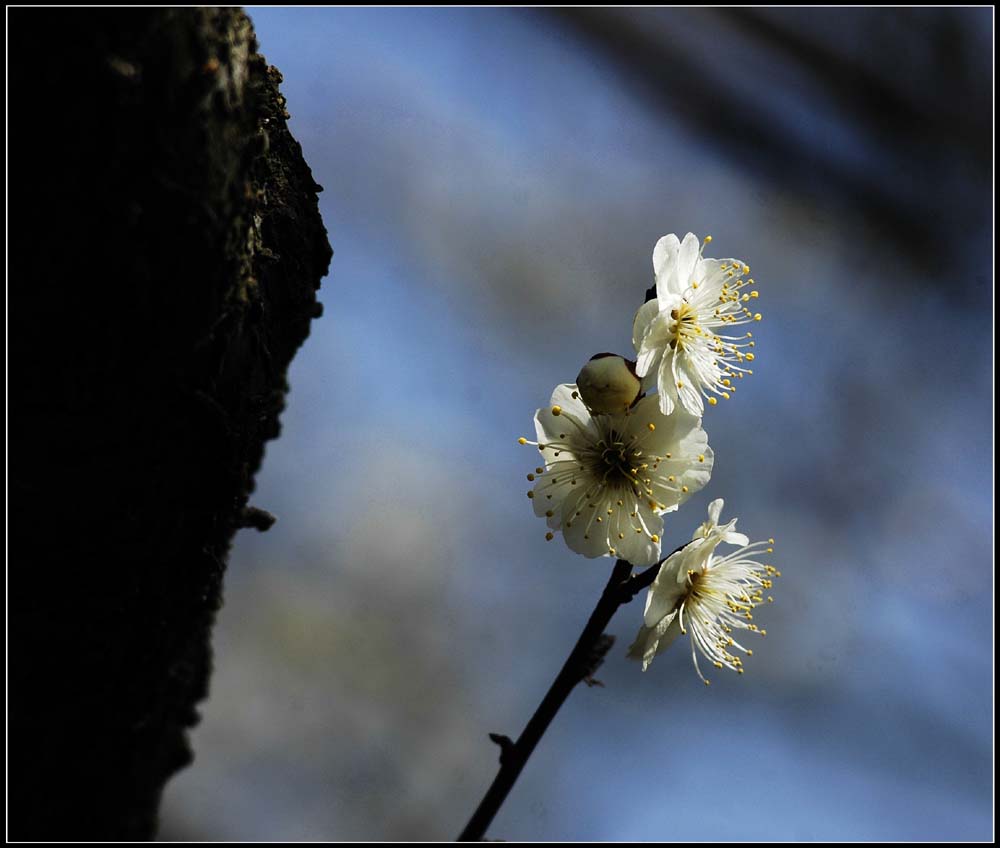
(495, 183)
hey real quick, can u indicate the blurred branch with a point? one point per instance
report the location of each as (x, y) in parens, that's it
(895, 180)
(586, 657)
(902, 106)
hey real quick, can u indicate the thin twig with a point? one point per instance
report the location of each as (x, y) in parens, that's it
(583, 661)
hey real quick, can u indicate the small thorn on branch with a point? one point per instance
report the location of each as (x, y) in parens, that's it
(505, 743)
(259, 519)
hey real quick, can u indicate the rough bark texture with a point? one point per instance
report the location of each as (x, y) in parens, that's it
(165, 247)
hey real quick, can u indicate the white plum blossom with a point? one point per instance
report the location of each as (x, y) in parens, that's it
(676, 335)
(606, 479)
(708, 596)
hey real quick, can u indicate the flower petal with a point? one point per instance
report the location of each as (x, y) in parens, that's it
(664, 251)
(551, 492)
(674, 267)
(666, 592)
(686, 384)
(568, 397)
(696, 477)
(585, 534)
(687, 258)
(710, 275)
(647, 344)
(651, 641)
(715, 510)
(731, 537)
(665, 388)
(637, 547)
(572, 429)
(671, 428)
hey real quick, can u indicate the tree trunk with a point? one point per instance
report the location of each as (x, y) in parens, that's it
(165, 247)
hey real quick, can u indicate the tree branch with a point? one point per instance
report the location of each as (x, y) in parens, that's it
(583, 661)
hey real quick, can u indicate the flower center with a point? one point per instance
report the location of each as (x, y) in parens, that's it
(685, 326)
(613, 464)
(697, 585)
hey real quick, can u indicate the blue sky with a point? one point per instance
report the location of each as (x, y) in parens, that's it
(494, 186)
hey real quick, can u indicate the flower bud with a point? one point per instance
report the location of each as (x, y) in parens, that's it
(607, 384)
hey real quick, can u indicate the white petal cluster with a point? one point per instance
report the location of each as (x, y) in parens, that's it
(707, 596)
(606, 479)
(615, 460)
(683, 338)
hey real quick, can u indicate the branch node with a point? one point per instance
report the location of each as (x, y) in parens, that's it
(506, 746)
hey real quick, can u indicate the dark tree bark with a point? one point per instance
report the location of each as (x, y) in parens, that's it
(165, 247)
